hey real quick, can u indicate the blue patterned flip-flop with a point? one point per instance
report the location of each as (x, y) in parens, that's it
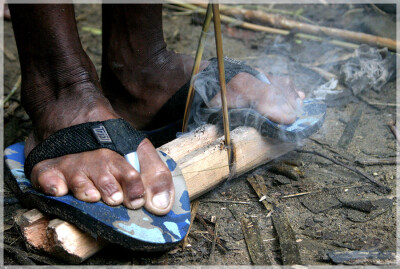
(134, 229)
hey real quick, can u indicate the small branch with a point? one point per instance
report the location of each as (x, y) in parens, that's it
(13, 90)
(211, 232)
(260, 190)
(388, 161)
(226, 202)
(317, 191)
(211, 257)
(194, 207)
(381, 187)
(261, 28)
(282, 22)
(393, 128)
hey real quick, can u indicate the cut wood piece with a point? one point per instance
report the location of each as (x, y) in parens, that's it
(287, 239)
(255, 245)
(206, 167)
(57, 237)
(261, 191)
(33, 225)
(70, 243)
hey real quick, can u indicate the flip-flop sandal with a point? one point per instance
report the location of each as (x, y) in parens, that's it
(134, 229)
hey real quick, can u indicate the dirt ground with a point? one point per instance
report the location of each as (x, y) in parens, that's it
(329, 207)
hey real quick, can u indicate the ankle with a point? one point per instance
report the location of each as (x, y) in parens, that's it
(48, 81)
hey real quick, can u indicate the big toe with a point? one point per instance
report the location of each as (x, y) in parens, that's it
(157, 180)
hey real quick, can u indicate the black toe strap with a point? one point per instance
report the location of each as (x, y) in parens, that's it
(114, 134)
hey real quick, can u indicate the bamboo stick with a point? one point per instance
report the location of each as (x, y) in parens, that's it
(196, 67)
(222, 83)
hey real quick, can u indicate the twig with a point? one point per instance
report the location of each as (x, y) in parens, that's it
(13, 90)
(296, 194)
(388, 161)
(351, 126)
(393, 128)
(334, 42)
(282, 22)
(318, 191)
(333, 150)
(194, 207)
(211, 257)
(260, 28)
(332, 59)
(10, 109)
(377, 9)
(227, 202)
(211, 232)
(381, 187)
(260, 190)
(381, 104)
(287, 12)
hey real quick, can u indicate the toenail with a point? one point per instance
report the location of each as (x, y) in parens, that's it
(116, 197)
(53, 191)
(161, 200)
(139, 202)
(91, 193)
(299, 103)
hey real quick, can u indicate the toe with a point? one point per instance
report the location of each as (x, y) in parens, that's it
(157, 180)
(131, 182)
(83, 189)
(109, 188)
(49, 179)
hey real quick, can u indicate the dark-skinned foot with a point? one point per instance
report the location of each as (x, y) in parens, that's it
(60, 88)
(139, 75)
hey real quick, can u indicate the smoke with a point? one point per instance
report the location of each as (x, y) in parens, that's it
(252, 101)
(321, 70)
(370, 68)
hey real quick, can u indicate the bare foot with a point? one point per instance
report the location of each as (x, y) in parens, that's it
(139, 98)
(139, 75)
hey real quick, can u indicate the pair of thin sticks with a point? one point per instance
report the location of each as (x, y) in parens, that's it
(212, 9)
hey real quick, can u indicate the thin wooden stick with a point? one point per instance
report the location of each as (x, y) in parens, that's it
(13, 90)
(393, 128)
(214, 241)
(196, 66)
(221, 72)
(381, 187)
(193, 211)
(266, 29)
